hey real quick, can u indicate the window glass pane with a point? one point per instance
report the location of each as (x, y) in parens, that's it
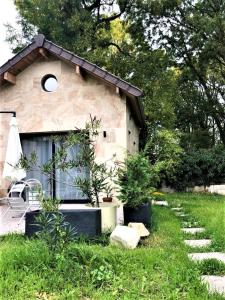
(50, 85)
(42, 146)
(69, 191)
(65, 188)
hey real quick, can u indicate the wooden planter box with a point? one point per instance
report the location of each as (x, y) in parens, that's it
(87, 222)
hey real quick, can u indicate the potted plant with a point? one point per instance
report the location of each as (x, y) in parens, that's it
(134, 189)
(97, 182)
(108, 191)
(100, 175)
(52, 220)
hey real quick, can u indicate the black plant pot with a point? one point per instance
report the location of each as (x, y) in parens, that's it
(139, 214)
(87, 222)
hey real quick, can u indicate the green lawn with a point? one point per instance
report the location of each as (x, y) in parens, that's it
(159, 269)
(208, 210)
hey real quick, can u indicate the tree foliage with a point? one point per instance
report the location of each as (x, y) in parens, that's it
(172, 49)
(199, 167)
(134, 180)
(103, 32)
(164, 151)
(193, 35)
(81, 26)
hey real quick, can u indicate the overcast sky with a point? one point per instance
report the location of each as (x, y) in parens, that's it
(7, 15)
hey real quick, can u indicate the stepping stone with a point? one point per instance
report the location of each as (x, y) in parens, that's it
(216, 284)
(182, 215)
(198, 243)
(160, 203)
(220, 256)
(190, 224)
(193, 230)
(179, 213)
(177, 208)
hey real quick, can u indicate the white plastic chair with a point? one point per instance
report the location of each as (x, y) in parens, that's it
(15, 200)
(33, 192)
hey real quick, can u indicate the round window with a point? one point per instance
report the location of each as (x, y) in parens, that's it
(49, 83)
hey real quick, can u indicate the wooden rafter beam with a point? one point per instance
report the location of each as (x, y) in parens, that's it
(10, 77)
(117, 90)
(43, 53)
(78, 71)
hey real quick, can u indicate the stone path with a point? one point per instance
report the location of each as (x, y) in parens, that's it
(198, 243)
(215, 284)
(207, 255)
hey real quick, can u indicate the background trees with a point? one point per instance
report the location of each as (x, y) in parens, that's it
(172, 49)
(193, 35)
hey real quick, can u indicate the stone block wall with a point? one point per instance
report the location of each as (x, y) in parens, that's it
(67, 108)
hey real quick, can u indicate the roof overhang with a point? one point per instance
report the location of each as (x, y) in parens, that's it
(41, 46)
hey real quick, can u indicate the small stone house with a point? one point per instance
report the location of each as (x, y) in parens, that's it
(54, 91)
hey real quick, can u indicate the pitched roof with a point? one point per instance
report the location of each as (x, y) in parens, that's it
(28, 55)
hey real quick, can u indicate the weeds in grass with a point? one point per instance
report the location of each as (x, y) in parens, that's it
(212, 267)
(197, 235)
(102, 276)
(102, 239)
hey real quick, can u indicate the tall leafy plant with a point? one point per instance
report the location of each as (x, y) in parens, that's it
(134, 180)
(85, 139)
(98, 181)
(52, 226)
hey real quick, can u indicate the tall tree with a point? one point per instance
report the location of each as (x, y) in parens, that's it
(79, 25)
(103, 32)
(193, 35)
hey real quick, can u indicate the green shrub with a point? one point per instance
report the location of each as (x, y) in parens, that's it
(52, 227)
(134, 180)
(55, 231)
(199, 167)
(163, 151)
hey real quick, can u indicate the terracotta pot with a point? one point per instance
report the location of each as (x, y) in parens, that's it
(107, 199)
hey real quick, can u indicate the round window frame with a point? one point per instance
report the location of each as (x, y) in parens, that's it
(44, 79)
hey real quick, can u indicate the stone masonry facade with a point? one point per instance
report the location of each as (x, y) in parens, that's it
(67, 108)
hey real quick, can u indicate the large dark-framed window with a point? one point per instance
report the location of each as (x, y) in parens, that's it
(45, 146)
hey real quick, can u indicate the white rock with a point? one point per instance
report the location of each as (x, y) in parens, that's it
(198, 243)
(160, 203)
(193, 230)
(216, 284)
(141, 229)
(124, 236)
(220, 256)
